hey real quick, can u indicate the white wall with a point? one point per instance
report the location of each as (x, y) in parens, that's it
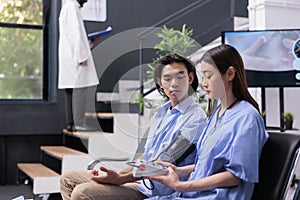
(273, 14)
(277, 14)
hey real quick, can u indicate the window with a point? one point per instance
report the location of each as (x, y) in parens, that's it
(21, 55)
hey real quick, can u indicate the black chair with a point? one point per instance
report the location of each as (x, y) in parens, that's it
(278, 162)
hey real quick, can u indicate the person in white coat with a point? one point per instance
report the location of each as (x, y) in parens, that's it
(77, 70)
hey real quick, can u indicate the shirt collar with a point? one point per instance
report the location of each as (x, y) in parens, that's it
(75, 2)
(182, 107)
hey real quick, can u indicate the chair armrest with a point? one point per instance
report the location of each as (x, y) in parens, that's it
(93, 163)
(296, 181)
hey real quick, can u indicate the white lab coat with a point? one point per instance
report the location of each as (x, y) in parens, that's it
(74, 48)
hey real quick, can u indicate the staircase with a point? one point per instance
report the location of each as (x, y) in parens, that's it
(54, 160)
(78, 149)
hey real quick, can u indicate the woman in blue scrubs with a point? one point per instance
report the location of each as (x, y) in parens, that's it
(229, 148)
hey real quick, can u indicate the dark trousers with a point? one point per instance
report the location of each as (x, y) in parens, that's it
(75, 103)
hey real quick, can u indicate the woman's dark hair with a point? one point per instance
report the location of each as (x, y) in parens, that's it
(224, 56)
(175, 58)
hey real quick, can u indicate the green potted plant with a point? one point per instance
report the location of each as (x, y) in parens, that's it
(288, 120)
(172, 40)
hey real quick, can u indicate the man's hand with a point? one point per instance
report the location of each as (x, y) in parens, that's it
(106, 176)
(95, 40)
(83, 64)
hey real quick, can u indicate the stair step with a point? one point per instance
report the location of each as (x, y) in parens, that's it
(45, 180)
(34, 170)
(100, 115)
(83, 134)
(104, 119)
(59, 151)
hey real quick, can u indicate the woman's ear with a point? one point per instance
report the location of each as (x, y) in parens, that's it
(191, 77)
(230, 73)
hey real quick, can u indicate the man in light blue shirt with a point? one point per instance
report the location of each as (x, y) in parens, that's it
(176, 79)
(186, 118)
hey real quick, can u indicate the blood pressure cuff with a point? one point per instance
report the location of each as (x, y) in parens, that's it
(177, 151)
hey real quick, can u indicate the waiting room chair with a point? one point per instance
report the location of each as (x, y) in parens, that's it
(278, 162)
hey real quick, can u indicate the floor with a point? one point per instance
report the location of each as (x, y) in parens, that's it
(10, 192)
(13, 191)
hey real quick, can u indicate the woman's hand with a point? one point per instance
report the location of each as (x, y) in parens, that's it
(182, 172)
(106, 176)
(171, 179)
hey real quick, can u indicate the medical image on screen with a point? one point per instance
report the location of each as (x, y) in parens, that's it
(265, 50)
(269, 56)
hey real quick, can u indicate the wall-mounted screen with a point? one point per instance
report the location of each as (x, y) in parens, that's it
(271, 57)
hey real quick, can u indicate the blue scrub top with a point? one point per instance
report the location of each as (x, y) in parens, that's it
(188, 118)
(232, 142)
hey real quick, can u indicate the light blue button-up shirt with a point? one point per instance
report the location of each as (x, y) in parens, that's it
(188, 118)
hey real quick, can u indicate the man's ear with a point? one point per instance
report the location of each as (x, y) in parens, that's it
(230, 73)
(158, 81)
(191, 77)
